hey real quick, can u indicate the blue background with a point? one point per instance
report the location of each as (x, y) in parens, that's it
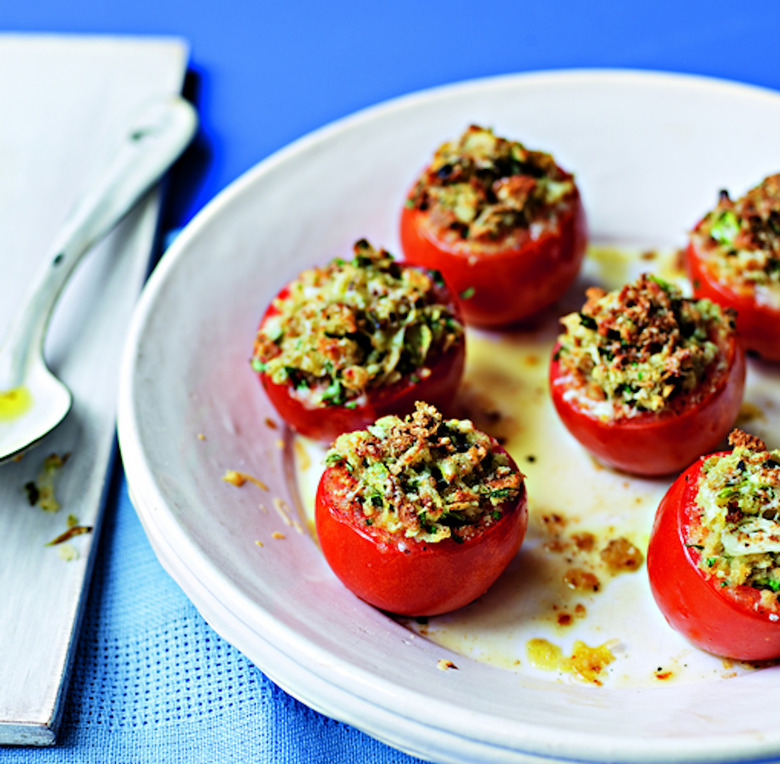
(151, 681)
(269, 72)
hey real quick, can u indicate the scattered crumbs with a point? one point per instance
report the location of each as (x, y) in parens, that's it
(581, 580)
(32, 492)
(277, 535)
(239, 478)
(445, 665)
(728, 668)
(72, 532)
(280, 444)
(234, 478)
(585, 663)
(553, 523)
(584, 541)
(270, 423)
(71, 521)
(284, 511)
(68, 552)
(621, 556)
(650, 254)
(201, 436)
(567, 617)
(663, 674)
(258, 542)
(40, 491)
(54, 461)
(282, 508)
(590, 560)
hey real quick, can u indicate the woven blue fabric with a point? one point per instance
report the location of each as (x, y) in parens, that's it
(152, 682)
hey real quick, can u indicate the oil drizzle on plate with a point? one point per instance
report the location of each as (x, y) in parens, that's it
(14, 403)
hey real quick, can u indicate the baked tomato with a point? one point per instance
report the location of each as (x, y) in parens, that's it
(504, 224)
(419, 516)
(645, 379)
(733, 258)
(714, 553)
(345, 344)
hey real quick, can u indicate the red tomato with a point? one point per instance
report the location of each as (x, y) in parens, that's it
(759, 325)
(437, 383)
(502, 286)
(657, 443)
(722, 620)
(407, 576)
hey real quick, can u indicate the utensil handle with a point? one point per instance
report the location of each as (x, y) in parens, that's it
(155, 138)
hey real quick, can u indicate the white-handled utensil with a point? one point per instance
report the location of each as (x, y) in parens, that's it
(32, 400)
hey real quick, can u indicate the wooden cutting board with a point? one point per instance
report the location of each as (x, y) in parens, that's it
(65, 101)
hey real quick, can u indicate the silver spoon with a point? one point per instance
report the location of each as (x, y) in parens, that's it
(32, 400)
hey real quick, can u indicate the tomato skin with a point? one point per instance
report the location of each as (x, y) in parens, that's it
(422, 579)
(720, 621)
(759, 325)
(325, 423)
(653, 444)
(508, 285)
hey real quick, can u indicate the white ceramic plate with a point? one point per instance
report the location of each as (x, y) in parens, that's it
(650, 152)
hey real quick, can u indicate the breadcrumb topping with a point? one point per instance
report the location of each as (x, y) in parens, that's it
(426, 477)
(349, 327)
(742, 238)
(483, 188)
(641, 347)
(739, 501)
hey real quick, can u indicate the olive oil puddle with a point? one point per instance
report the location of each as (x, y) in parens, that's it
(562, 611)
(14, 403)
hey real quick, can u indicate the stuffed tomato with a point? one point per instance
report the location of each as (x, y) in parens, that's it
(504, 224)
(419, 516)
(646, 379)
(733, 258)
(714, 553)
(344, 344)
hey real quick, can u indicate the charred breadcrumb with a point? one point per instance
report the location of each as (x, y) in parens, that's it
(643, 345)
(425, 477)
(741, 439)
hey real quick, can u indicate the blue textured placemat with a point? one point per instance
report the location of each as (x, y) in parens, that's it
(152, 682)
